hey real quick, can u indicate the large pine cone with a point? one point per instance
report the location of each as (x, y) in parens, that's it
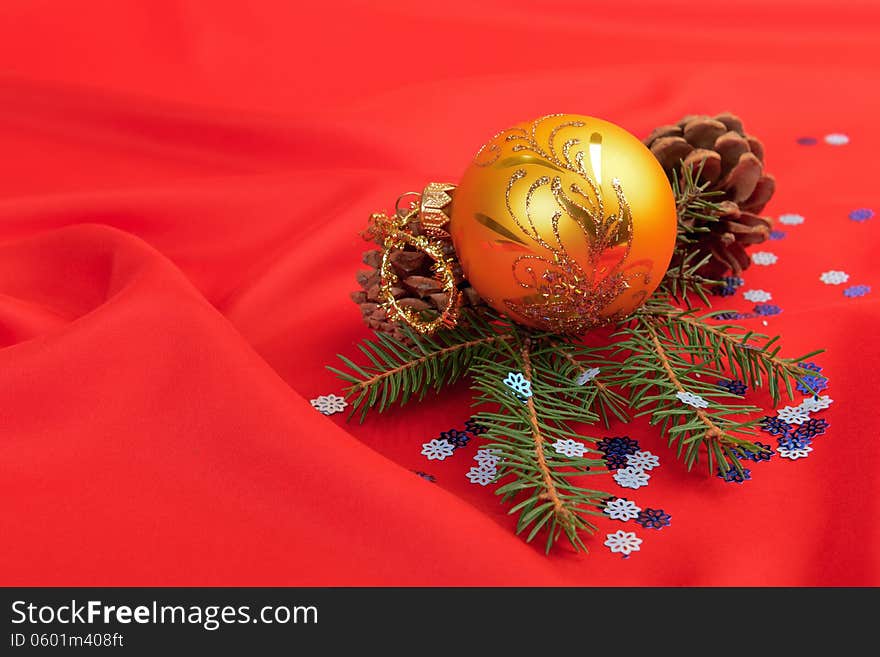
(733, 162)
(418, 287)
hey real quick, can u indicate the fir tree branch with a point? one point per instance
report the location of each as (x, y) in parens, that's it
(538, 439)
(654, 371)
(399, 371)
(750, 356)
(542, 485)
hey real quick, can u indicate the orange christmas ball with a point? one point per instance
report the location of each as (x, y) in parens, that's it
(564, 223)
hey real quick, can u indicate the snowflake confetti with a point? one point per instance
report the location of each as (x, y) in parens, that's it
(654, 519)
(764, 453)
(815, 403)
(482, 475)
(791, 219)
(644, 461)
(766, 309)
(623, 542)
(615, 461)
(734, 476)
(836, 139)
(764, 258)
(733, 386)
(807, 141)
(691, 399)
(792, 414)
(426, 476)
(569, 447)
(811, 428)
(437, 450)
(862, 214)
(791, 442)
(775, 426)
(487, 457)
(631, 477)
(777, 235)
(329, 404)
(834, 277)
(455, 438)
(854, 291)
(622, 509)
(794, 454)
(521, 386)
(474, 427)
(812, 384)
(618, 445)
(757, 295)
(587, 375)
(724, 290)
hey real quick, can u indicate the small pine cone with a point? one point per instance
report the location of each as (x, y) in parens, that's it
(418, 288)
(733, 163)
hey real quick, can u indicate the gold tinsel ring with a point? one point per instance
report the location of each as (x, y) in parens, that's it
(445, 276)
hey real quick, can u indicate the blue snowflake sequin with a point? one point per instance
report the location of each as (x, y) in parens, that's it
(854, 291)
(618, 445)
(733, 476)
(777, 235)
(726, 316)
(817, 382)
(763, 454)
(615, 461)
(723, 290)
(733, 386)
(811, 428)
(862, 214)
(807, 141)
(474, 427)
(767, 309)
(455, 438)
(810, 385)
(654, 519)
(774, 426)
(426, 476)
(791, 441)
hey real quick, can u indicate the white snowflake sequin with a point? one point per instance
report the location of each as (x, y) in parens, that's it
(792, 414)
(437, 450)
(758, 296)
(834, 277)
(481, 475)
(836, 139)
(644, 461)
(621, 509)
(764, 258)
(631, 477)
(520, 385)
(487, 457)
(329, 404)
(813, 404)
(794, 454)
(691, 399)
(791, 219)
(623, 542)
(570, 448)
(587, 375)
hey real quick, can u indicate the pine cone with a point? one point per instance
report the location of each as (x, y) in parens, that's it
(733, 162)
(418, 288)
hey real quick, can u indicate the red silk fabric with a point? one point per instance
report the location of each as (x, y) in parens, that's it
(181, 188)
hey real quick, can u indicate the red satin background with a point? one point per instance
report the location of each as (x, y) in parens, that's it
(181, 187)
